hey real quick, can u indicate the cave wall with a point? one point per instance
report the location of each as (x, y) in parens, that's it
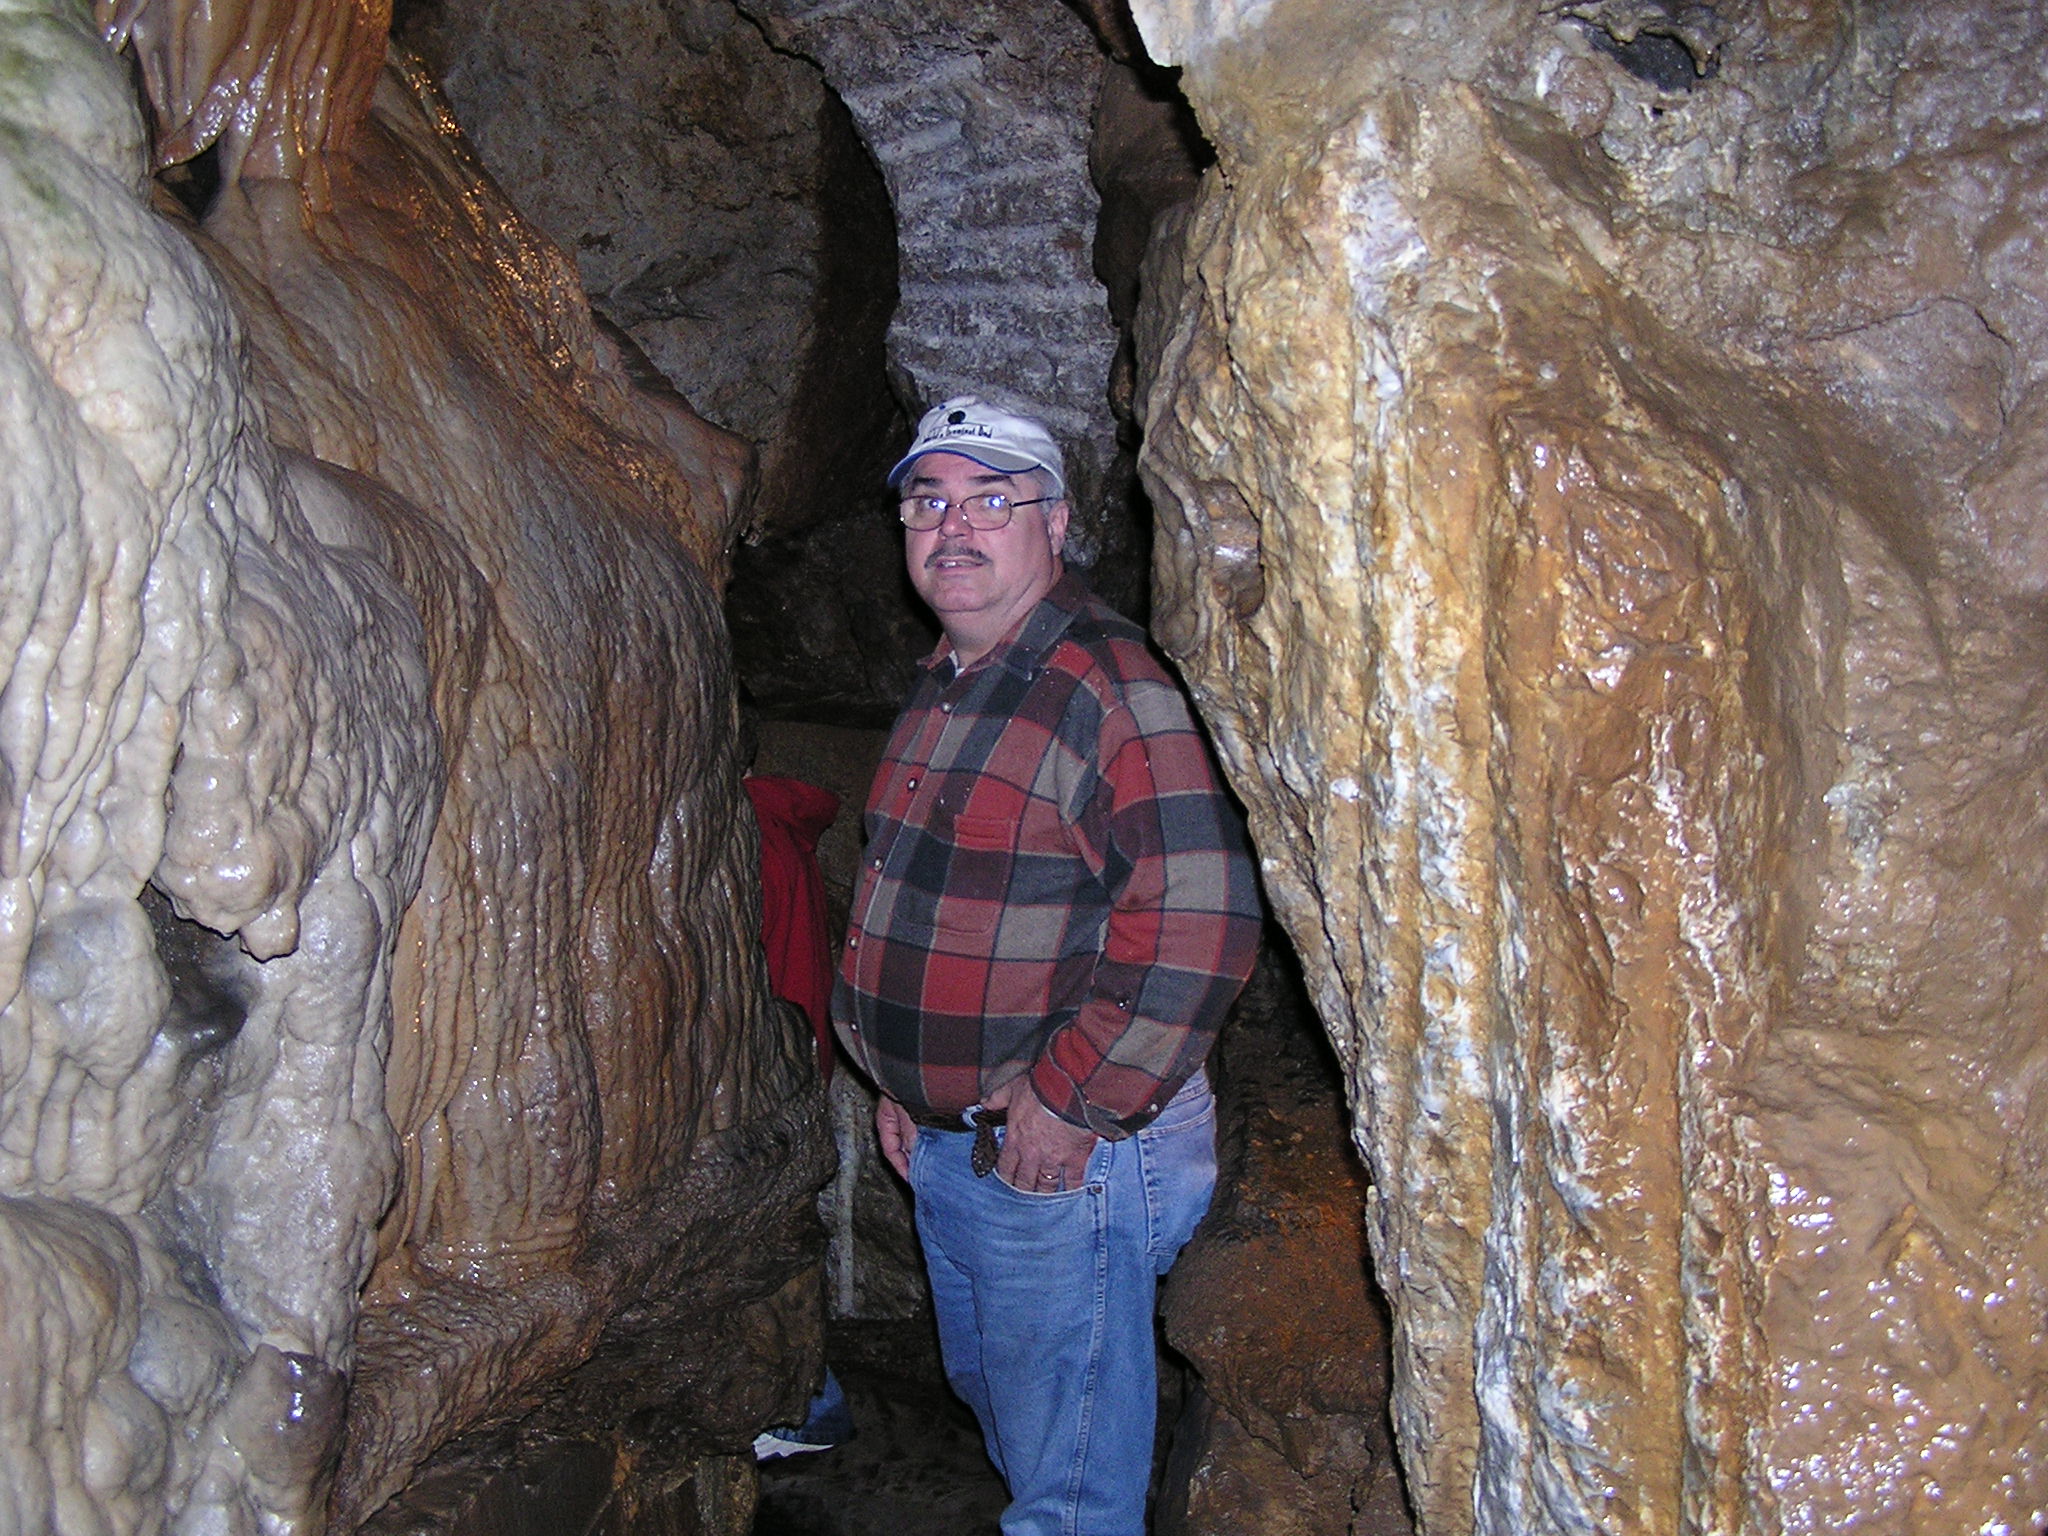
(978, 115)
(1597, 450)
(385, 1052)
(1599, 455)
(718, 204)
(814, 222)
(724, 214)
(676, 158)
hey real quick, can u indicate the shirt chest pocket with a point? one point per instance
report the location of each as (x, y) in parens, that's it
(969, 878)
(984, 834)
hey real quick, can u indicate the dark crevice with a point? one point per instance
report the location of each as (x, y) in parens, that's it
(828, 568)
(1674, 45)
(195, 183)
(208, 1004)
(1659, 58)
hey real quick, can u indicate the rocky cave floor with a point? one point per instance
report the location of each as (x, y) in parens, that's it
(914, 1467)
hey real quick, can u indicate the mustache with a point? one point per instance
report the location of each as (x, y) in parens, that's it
(955, 552)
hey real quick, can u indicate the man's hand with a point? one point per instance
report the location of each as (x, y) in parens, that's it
(897, 1133)
(1042, 1154)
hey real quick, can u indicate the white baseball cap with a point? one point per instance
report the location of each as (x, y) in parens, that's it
(991, 436)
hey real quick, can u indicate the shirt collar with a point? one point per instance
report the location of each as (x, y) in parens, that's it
(1027, 646)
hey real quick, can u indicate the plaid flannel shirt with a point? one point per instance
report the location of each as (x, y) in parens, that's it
(1053, 881)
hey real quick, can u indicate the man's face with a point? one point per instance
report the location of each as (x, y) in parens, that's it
(980, 582)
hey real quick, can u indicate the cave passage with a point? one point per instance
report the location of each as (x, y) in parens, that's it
(1585, 463)
(769, 237)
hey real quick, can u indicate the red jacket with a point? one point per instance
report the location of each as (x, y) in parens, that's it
(793, 816)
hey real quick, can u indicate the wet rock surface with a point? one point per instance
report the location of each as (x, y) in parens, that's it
(1590, 448)
(715, 198)
(723, 212)
(1599, 453)
(517, 1252)
(371, 617)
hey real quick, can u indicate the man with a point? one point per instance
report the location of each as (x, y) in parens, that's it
(1055, 911)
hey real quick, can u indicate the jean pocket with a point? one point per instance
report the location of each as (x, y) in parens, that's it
(1177, 1153)
(1038, 1196)
(1193, 1104)
(1092, 1176)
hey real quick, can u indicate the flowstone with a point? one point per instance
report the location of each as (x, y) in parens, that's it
(1598, 456)
(384, 1051)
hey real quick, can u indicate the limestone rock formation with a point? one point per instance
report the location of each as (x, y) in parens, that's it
(718, 204)
(676, 158)
(978, 116)
(723, 213)
(384, 1049)
(1598, 450)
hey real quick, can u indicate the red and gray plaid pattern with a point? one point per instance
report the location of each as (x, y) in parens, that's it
(1053, 881)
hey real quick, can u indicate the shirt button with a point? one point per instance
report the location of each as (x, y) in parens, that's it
(853, 941)
(877, 863)
(945, 709)
(911, 785)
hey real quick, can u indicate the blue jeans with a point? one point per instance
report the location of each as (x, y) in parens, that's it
(1045, 1309)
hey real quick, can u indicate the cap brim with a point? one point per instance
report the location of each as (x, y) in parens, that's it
(987, 458)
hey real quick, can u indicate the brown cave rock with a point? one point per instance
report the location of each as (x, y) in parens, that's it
(1578, 481)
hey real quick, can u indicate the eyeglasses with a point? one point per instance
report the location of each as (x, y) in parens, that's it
(921, 514)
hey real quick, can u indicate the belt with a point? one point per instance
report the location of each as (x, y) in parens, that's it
(940, 1120)
(983, 1157)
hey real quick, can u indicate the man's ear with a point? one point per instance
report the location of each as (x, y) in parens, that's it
(1056, 526)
